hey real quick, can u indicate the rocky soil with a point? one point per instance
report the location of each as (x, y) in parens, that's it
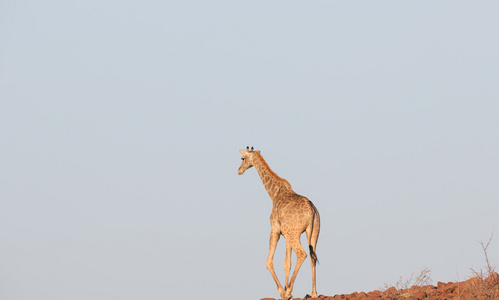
(476, 288)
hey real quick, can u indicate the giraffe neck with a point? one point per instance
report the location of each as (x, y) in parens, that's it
(274, 184)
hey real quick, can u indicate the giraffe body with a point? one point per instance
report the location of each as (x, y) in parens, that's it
(292, 214)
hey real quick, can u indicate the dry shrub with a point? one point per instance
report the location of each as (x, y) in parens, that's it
(485, 281)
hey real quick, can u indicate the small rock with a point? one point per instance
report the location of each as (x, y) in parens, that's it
(429, 287)
(374, 295)
(420, 295)
(450, 287)
(441, 285)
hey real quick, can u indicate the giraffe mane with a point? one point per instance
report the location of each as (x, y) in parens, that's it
(264, 163)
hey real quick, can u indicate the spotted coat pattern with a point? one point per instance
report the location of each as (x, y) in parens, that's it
(292, 214)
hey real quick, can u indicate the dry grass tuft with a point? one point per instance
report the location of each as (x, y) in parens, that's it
(408, 287)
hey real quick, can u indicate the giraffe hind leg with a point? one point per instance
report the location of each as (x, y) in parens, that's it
(287, 265)
(312, 236)
(294, 242)
(313, 263)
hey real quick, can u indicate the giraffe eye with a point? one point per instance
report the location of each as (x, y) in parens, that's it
(242, 158)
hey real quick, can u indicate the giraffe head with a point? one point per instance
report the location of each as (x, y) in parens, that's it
(247, 160)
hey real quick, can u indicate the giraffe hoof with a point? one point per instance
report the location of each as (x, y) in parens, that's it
(282, 293)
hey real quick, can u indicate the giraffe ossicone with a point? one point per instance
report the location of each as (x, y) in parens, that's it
(292, 214)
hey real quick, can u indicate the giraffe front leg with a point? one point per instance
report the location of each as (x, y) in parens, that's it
(274, 238)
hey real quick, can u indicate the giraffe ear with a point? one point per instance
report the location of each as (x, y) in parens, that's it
(243, 152)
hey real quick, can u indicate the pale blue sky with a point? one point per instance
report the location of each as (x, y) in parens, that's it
(121, 121)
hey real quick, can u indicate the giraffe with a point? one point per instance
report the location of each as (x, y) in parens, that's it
(292, 214)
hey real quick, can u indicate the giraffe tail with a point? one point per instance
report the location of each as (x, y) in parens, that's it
(313, 255)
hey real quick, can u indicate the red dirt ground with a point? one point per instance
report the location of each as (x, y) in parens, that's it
(475, 288)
